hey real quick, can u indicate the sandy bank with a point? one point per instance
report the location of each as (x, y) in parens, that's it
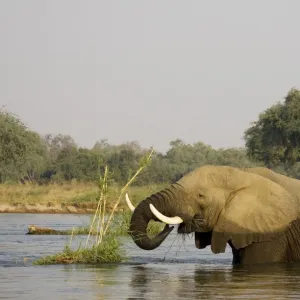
(46, 209)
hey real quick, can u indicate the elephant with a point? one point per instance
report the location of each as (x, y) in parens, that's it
(253, 210)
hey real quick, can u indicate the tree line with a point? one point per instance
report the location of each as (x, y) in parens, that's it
(272, 141)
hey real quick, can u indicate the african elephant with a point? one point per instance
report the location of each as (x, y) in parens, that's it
(255, 210)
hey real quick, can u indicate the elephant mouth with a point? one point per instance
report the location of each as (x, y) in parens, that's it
(202, 236)
(197, 224)
(197, 240)
(202, 239)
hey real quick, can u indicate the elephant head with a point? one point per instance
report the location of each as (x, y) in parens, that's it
(219, 204)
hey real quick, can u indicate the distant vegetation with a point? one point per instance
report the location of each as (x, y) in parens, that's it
(25, 156)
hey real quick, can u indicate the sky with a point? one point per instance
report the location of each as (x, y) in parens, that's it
(147, 71)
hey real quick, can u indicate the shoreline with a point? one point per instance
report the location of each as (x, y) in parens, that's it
(67, 198)
(45, 209)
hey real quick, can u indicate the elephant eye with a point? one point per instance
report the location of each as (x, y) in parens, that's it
(201, 201)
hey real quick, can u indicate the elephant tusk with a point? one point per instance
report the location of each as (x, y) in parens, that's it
(167, 220)
(132, 208)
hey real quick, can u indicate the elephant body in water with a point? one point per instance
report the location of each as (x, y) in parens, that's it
(254, 210)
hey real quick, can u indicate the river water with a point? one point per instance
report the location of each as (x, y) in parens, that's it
(176, 270)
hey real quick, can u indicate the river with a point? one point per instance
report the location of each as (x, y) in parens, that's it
(176, 270)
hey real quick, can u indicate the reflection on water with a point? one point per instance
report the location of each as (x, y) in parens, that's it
(177, 273)
(207, 282)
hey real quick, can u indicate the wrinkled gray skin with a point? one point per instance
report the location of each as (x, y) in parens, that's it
(174, 201)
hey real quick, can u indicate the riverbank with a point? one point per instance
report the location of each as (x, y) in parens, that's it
(67, 198)
(43, 209)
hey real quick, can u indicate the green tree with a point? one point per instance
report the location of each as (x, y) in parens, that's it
(56, 143)
(274, 138)
(22, 152)
(235, 157)
(65, 168)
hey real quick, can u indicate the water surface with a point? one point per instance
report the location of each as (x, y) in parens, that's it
(176, 270)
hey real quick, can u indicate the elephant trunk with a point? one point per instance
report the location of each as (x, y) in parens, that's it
(166, 202)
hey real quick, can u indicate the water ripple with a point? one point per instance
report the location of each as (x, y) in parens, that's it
(177, 272)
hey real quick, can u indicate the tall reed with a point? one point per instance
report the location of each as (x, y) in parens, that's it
(105, 247)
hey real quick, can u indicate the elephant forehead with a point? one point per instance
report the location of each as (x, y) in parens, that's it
(217, 177)
(201, 179)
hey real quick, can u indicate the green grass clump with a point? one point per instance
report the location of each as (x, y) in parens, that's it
(108, 251)
(154, 228)
(104, 247)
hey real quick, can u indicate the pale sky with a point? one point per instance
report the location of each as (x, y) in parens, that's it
(150, 71)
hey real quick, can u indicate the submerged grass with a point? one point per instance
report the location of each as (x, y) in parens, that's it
(108, 251)
(36, 230)
(102, 244)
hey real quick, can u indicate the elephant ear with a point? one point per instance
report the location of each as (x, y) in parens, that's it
(259, 212)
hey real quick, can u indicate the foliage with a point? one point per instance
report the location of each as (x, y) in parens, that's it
(58, 159)
(22, 153)
(274, 139)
